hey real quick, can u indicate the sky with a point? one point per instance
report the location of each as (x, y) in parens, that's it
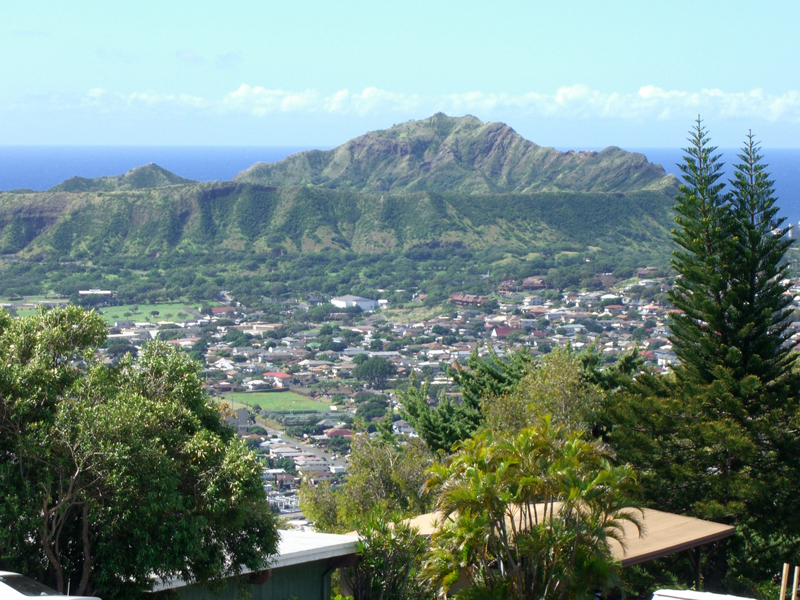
(575, 74)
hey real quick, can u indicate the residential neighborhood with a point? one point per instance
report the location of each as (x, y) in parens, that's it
(296, 389)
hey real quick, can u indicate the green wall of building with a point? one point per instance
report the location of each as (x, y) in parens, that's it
(308, 581)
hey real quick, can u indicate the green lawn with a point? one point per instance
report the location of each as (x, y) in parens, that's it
(277, 401)
(143, 312)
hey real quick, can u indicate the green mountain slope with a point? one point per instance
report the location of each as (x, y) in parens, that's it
(205, 218)
(448, 154)
(429, 205)
(148, 176)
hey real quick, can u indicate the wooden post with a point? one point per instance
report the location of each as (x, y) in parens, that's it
(784, 580)
(697, 573)
(794, 585)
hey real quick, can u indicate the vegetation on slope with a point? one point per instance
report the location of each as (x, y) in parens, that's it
(465, 155)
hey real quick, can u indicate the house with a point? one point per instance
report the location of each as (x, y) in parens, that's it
(533, 283)
(336, 432)
(278, 379)
(240, 420)
(402, 427)
(301, 568)
(462, 299)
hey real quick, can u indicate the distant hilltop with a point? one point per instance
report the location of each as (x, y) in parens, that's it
(140, 178)
(458, 154)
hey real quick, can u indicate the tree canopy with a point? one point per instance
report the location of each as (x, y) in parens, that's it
(375, 370)
(110, 475)
(383, 471)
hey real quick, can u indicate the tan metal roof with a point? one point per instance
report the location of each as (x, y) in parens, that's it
(662, 534)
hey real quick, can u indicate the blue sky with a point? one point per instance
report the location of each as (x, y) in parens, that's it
(580, 74)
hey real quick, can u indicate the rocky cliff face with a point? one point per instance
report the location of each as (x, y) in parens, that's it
(449, 154)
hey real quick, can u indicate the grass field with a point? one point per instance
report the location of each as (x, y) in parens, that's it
(143, 312)
(277, 401)
(173, 313)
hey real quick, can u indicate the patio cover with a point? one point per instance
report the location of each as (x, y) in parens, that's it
(662, 534)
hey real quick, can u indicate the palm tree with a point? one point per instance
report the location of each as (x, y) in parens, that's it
(529, 517)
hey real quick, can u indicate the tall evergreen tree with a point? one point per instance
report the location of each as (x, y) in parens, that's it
(759, 313)
(699, 331)
(720, 440)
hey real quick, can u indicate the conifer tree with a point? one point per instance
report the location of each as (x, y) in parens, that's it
(700, 330)
(759, 312)
(730, 266)
(720, 440)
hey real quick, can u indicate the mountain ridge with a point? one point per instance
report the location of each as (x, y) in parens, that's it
(458, 154)
(445, 178)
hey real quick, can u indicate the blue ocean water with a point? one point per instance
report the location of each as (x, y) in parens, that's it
(783, 166)
(41, 167)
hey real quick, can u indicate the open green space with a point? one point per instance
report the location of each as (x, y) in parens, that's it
(173, 313)
(276, 401)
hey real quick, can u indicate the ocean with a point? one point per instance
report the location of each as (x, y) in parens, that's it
(41, 167)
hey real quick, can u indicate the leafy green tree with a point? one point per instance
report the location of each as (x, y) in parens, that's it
(382, 472)
(501, 525)
(486, 380)
(111, 475)
(389, 560)
(555, 387)
(375, 370)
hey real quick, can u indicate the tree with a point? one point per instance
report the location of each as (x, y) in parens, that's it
(759, 303)
(557, 388)
(500, 524)
(496, 385)
(450, 422)
(110, 475)
(718, 438)
(389, 560)
(382, 472)
(375, 370)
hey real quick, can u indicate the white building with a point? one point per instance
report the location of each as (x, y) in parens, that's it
(349, 301)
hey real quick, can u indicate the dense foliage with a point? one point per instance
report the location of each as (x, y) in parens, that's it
(382, 472)
(529, 516)
(110, 475)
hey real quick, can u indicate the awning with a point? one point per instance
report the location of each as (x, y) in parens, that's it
(662, 534)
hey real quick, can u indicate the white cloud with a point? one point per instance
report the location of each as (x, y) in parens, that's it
(569, 102)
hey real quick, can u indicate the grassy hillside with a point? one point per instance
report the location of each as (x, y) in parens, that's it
(207, 218)
(425, 207)
(189, 242)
